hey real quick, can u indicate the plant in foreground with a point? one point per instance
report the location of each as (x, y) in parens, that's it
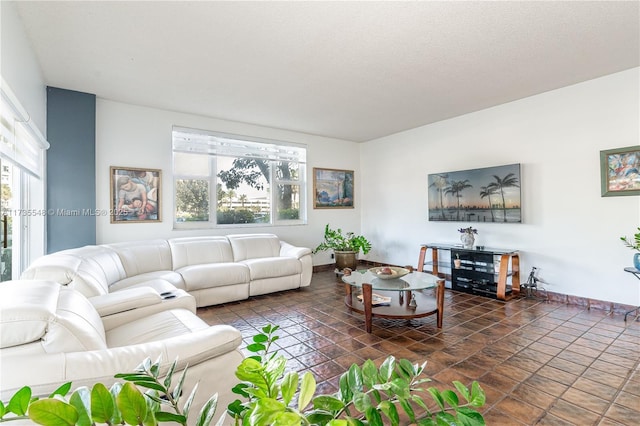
(368, 395)
(121, 404)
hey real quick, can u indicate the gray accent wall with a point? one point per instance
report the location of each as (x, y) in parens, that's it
(71, 169)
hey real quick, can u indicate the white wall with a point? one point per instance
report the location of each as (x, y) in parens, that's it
(569, 231)
(135, 136)
(19, 66)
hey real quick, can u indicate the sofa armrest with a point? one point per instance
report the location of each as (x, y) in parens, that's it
(129, 304)
(289, 250)
(125, 300)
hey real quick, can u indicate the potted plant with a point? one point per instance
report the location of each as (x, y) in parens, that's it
(634, 245)
(346, 247)
(374, 394)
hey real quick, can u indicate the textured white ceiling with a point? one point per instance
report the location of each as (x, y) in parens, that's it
(349, 70)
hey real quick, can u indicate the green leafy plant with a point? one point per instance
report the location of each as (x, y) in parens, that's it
(634, 245)
(368, 395)
(121, 404)
(335, 240)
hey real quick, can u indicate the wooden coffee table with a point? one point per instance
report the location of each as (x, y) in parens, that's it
(400, 290)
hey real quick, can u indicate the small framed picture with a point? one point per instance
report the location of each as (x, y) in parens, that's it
(135, 195)
(332, 188)
(620, 171)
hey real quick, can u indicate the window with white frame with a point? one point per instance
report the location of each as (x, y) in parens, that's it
(22, 203)
(229, 180)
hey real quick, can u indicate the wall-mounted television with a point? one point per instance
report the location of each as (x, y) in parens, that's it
(490, 194)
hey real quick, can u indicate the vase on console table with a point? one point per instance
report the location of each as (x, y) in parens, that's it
(636, 261)
(467, 236)
(467, 240)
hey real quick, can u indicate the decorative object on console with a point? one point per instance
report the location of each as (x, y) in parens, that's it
(490, 194)
(457, 262)
(634, 245)
(333, 188)
(467, 236)
(346, 247)
(135, 195)
(620, 171)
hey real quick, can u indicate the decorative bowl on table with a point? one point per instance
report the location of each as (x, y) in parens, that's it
(389, 272)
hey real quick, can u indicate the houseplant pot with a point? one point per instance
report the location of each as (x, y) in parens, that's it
(634, 245)
(346, 247)
(346, 259)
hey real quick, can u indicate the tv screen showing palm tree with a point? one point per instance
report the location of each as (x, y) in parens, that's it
(490, 194)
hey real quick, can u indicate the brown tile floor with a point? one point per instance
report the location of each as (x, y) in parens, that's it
(539, 363)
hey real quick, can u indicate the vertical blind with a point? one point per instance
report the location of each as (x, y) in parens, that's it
(20, 140)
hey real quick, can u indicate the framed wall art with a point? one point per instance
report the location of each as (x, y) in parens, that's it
(620, 171)
(490, 194)
(332, 188)
(135, 195)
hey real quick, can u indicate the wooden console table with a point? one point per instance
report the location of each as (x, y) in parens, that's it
(478, 273)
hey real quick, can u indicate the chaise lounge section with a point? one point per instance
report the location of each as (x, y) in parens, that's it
(51, 334)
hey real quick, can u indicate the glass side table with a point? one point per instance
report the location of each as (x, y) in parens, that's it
(406, 297)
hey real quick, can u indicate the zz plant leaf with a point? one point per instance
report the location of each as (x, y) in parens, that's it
(19, 402)
(53, 412)
(131, 404)
(307, 389)
(102, 404)
(81, 401)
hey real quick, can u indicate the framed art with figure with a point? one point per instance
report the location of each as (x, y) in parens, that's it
(135, 195)
(332, 188)
(620, 171)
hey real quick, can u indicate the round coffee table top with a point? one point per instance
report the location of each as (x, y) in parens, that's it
(413, 281)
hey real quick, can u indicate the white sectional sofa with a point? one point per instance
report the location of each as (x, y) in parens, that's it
(212, 269)
(51, 334)
(85, 314)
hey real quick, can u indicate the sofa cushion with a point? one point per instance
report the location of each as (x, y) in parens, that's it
(100, 266)
(199, 250)
(170, 278)
(88, 269)
(76, 325)
(270, 267)
(59, 267)
(139, 257)
(62, 319)
(252, 246)
(159, 326)
(25, 315)
(198, 277)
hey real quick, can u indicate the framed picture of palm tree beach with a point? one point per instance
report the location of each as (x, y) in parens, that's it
(490, 194)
